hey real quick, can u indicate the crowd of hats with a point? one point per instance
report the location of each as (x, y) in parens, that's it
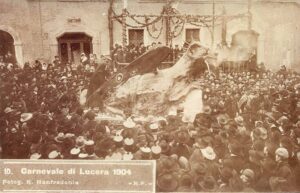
(246, 139)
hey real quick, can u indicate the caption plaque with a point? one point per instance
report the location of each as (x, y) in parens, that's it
(77, 176)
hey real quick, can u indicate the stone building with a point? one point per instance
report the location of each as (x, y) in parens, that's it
(41, 29)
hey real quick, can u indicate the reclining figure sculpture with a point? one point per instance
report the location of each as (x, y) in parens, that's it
(143, 89)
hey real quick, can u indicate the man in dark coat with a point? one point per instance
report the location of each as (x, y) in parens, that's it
(234, 160)
(97, 79)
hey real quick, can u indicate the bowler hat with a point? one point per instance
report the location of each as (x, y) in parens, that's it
(185, 183)
(235, 148)
(26, 117)
(222, 119)
(248, 173)
(226, 174)
(208, 184)
(83, 155)
(75, 151)
(199, 168)
(129, 144)
(90, 115)
(154, 127)
(60, 137)
(54, 154)
(128, 156)
(208, 153)
(35, 156)
(239, 120)
(118, 139)
(80, 141)
(165, 147)
(207, 110)
(182, 136)
(8, 110)
(282, 152)
(167, 182)
(156, 150)
(129, 123)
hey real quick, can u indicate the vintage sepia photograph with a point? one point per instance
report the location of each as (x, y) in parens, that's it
(149, 96)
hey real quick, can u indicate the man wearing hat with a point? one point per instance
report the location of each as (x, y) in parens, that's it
(144, 153)
(297, 170)
(210, 161)
(247, 176)
(26, 117)
(198, 171)
(185, 183)
(240, 125)
(165, 147)
(54, 155)
(209, 184)
(225, 176)
(56, 61)
(283, 169)
(83, 59)
(129, 145)
(129, 130)
(204, 119)
(255, 158)
(166, 183)
(181, 148)
(104, 147)
(90, 123)
(267, 167)
(167, 164)
(234, 160)
(74, 152)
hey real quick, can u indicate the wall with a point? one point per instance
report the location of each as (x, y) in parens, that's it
(55, 15)
(14, 19)
(278, 25)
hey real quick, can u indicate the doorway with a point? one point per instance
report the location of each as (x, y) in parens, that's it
(7, 48)
(72, 45)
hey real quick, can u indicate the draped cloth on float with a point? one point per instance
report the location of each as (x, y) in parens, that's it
(159, 92)
(190, 95)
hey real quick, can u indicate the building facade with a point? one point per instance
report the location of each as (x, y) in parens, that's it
(41, 29)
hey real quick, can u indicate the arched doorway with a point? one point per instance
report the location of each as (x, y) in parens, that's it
(7, 48)
(71, 45)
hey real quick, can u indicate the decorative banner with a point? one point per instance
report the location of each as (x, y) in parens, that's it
(77, 176)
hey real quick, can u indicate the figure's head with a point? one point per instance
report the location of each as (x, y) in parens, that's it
(196, 50)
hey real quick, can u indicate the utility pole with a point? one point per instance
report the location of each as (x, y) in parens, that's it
(124, 28)
(168, 10)
(110, 27)
(213, 24)
(249, 15)
(224, 27)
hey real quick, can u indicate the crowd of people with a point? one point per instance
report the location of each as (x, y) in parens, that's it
(246, 139)
(127, 54)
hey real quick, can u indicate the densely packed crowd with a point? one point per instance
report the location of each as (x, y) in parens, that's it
(246, 139)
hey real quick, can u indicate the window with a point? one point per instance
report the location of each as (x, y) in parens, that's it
(136, 36)
(192, 35)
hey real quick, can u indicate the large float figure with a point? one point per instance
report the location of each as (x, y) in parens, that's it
(145, 90)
